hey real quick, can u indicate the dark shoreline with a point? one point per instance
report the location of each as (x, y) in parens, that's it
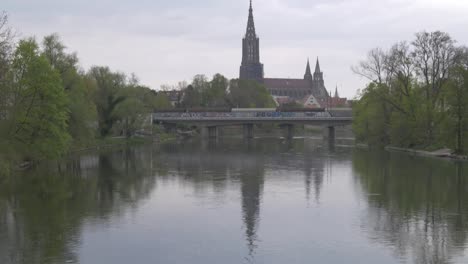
(441, 154)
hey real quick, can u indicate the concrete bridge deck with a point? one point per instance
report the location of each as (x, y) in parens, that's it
(211, 120)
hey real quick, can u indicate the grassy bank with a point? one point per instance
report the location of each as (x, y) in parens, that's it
(431, 152)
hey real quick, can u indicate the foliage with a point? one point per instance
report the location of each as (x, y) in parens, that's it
(246, 93)
(133, 112)
(82, 109)
(204, 93)
(48, 102)
(122, 105)
(37, 116)
(220, 92)
(416, 94)
(456, 120)
(108, 86)
(49, 105)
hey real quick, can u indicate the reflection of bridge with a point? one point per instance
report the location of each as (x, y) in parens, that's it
(210, 121)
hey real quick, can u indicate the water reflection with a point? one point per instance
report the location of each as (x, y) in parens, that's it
(42, 213)
(241, 162)
(417, 206)
(237, 201)
(314, 168)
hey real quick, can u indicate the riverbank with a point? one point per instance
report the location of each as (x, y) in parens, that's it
(9, 165)
(111, 142)
(441, 153)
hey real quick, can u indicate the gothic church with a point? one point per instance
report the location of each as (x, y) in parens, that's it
(310, 90)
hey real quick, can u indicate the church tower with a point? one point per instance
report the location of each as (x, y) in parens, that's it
(308, 73)
(318, 84)
(251, 68)
(318, 75)
(336, 92)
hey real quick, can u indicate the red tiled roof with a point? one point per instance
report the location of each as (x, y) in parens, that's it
(284, 100)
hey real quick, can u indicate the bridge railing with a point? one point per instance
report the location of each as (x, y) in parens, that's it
(242, 115)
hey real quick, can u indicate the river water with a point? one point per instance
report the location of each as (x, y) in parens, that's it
(232, 201)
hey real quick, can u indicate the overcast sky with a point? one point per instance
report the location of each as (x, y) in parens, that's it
(164, 42)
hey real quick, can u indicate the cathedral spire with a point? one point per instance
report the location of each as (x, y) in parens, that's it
(251, 67)
(317, 66)
(336, 92)
(308, 73)
(250, 33)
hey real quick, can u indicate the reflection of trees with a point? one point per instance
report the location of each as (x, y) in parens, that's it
(419, 206)
(314, 168)
(42, 212)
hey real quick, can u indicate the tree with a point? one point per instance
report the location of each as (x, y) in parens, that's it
(160, 101)
(133, 113)
(6, 46)
(216, 94)
(413, 87)
(82, 109)
(192, 97)
(201, 85)
(249, 94)
(204, 93)
(108, 86)
(457, 109)
(370, 124)
(433, 56)
(38, 114)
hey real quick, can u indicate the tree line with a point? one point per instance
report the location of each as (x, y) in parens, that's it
(219, 92)
(417, 95)
(49, 104)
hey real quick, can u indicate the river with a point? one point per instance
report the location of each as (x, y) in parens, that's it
(232, 201)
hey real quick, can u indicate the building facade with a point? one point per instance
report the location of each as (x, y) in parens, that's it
(311, 87)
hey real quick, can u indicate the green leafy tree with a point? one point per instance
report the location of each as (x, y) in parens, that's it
(456, 124)
(108, 86)
(39, 113)
(369, 123)
(134, 113)
(6, 48)
(216, 94)
(415, 97)
(192, 97)
(131, 115)
(82, 108)
(248, 94)
(161, 101)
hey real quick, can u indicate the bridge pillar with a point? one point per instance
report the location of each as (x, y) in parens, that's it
(248, 131)
(209, 131)
(288, 131)
(331, 135)
(213, 132)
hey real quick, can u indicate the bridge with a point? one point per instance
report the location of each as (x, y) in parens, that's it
(210, 121)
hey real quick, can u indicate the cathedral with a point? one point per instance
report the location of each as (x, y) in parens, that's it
(309, 91)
